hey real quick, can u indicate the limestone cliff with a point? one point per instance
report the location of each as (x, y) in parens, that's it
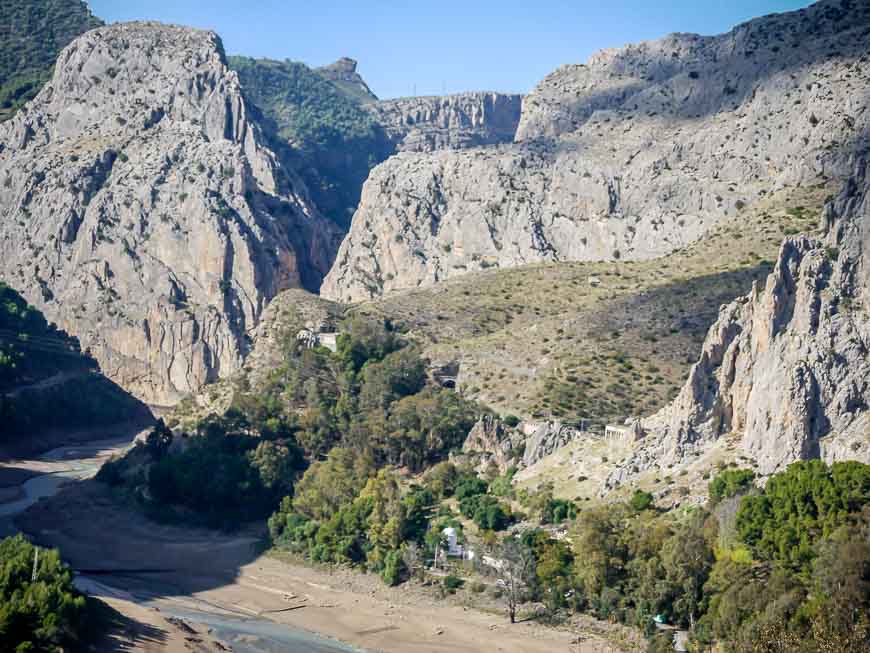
(141, 209)
(452, 122)
(785, 370)
(631, 156)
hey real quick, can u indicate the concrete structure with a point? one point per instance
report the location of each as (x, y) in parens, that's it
(312, 339)
(631, 431)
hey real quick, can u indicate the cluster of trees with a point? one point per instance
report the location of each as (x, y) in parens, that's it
(748, 571)
(370, 397)
(347, 511)
(39, 611)
(221, 477)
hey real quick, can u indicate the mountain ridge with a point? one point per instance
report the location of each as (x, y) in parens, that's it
(628, 157)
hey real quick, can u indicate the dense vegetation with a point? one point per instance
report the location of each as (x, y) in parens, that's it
(782, 569)
(31, 352)
(371, 396)
(754, 570)
(345, 512)
(333, 141)
(41, 614)
(32, 34)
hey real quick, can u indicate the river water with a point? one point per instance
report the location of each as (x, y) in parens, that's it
(244, 634)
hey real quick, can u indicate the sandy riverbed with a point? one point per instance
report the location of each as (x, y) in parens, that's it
(199, 570)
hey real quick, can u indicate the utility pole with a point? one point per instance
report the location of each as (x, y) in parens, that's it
(35, 563)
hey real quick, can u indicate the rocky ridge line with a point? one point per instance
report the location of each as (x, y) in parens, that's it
(631, 156)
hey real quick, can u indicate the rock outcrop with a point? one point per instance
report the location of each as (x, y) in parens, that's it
(141, 209)
(543, 438)
(491, 442)
(631, 156)
(786, 369)
(343, 74)
(451, 122)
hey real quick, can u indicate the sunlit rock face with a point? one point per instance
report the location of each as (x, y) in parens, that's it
(633, 155)
(141, 209)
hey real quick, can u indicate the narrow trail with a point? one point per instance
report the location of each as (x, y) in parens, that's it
(56, 379)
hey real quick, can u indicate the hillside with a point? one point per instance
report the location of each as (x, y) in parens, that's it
(51, 391)
(595, 341)
(783, 374)
(32, 34)
(332, 141)
(631, 156)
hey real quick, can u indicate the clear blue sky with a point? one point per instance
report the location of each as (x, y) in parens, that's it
(452, 45)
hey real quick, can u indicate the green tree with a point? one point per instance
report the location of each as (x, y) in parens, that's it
(730, 483)
(799, 507)
(687, 560)
(329, 484)
(44, 614)
(554, 572)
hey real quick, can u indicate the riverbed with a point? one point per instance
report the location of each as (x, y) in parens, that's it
(231, 594)
(244, 633)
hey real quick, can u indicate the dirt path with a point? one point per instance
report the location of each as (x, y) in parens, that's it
(49, 382)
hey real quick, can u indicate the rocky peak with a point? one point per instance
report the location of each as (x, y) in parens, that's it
(343, 74)
(143, 211)
(637, 153)
(341, 68)
(784, 371)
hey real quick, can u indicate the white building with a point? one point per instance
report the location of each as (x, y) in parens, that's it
(454, 548)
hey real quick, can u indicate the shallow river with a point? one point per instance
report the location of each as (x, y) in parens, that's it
(243, 634)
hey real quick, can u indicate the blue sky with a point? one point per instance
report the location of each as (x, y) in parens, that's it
(445, 45)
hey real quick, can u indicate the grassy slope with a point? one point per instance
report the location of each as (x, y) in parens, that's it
(32, 34)
(541, 341)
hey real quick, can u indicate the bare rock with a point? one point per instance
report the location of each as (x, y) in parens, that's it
(786, 369)
(464, 120)
(631, 156)
(141, 209)
(492, 442)
(343, 74)
(544, 438)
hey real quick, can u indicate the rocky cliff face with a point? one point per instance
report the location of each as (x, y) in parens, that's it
(143, 212)
(631, 156)
(426, 124)
(786, 369)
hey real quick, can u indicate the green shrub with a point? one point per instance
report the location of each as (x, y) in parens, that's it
(452, 583)
(729, 483)
(394, 568)
(511, 420)
(641, 501)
